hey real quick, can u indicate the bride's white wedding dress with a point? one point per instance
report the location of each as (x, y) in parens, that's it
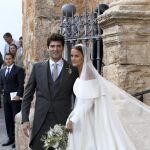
(105, 117)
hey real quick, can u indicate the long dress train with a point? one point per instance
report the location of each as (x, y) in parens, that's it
(106, 117)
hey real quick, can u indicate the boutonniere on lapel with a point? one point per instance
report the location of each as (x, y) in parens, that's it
(69, 70)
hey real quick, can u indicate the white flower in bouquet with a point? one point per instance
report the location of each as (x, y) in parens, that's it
(56, 145)
(50, 132)
(56, 137)
(58, 129)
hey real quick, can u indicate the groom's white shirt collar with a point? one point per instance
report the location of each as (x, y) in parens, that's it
(59, 63)
(10, 67)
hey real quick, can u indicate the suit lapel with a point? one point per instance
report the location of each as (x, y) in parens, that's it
(65, 73)
(3, 74)
(46, 77)
(12, 71)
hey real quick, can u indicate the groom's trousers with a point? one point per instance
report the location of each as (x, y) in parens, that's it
(50, 121)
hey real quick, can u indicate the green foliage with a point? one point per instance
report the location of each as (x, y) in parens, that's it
(56, 137)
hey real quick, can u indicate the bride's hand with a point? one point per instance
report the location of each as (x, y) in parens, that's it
(69, 126)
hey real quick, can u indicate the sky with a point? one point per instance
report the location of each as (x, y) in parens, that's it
(10, 19)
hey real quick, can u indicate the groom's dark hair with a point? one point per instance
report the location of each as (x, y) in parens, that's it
(56, 37)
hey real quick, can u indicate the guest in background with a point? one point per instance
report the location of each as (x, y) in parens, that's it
(13, 49)
(1, 62)
(21, 41)
(9, 40)
(11, 80)
(20, 52)
(1, 59)
(17, 55)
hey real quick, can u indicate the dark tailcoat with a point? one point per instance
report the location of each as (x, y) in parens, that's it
(51, 97)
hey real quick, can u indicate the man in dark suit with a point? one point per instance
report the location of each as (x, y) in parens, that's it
(1, 62)
(53, 81)
(11, 80)
(1, 59)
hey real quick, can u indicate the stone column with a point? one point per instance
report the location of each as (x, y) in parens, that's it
(126, 35)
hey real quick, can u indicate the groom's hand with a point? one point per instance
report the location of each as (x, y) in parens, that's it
(69, 126)
(26, 128)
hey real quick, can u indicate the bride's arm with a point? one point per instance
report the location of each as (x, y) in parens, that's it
(86, 92)
(80, 110)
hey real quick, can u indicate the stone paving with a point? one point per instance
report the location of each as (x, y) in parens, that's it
(3, 137)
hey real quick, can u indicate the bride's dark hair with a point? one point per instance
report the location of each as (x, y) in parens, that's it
(79, 48)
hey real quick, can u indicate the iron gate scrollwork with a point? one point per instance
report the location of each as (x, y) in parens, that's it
(83, 29)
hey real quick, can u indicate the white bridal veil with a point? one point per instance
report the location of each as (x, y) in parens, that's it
(106, 117)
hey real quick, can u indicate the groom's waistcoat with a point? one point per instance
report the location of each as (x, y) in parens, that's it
(54, 87)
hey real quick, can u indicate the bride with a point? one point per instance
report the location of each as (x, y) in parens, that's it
(104, 117)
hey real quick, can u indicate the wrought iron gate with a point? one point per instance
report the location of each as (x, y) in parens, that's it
(83, 29)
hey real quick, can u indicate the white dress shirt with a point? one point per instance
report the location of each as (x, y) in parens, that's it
(59, 63)
(10, 67)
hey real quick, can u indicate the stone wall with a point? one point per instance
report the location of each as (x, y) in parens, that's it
(126, 36)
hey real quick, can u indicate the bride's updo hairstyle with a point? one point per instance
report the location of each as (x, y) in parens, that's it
(85, 51)
(88, 71)
(79, 48)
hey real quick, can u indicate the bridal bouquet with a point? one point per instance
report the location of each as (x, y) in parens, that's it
(56, 137)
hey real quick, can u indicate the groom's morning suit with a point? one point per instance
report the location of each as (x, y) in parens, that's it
(53, 99)
(12, 82)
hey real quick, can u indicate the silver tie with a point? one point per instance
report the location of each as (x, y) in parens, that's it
(55, 72)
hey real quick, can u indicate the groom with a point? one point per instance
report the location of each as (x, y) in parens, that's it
(53, 82)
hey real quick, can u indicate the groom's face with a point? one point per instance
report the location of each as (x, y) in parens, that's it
(56, 50)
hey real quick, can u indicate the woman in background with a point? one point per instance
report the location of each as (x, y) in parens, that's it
(18, 56)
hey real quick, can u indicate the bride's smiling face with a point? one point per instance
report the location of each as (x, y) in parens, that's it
(77, 58)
